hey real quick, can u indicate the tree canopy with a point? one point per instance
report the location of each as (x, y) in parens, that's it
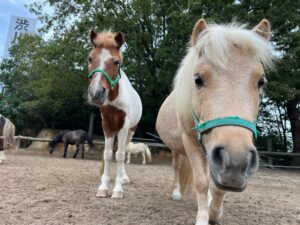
(45, 79)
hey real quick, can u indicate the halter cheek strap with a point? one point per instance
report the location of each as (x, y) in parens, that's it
(224, 121)
(112, 83)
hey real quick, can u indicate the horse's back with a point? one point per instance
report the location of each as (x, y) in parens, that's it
(166, 125)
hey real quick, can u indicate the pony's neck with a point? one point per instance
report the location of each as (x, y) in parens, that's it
(58, 138)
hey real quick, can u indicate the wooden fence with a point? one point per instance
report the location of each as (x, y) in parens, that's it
(152, 144)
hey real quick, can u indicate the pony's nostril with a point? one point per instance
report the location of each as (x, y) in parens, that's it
(220, 157)
(252, 159)
(103, 91)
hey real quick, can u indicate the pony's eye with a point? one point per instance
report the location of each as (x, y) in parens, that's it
(90, 60)
(261, 82)
(198, 81)
(116, 62)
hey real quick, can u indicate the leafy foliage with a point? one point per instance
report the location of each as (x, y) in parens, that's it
(52, 73)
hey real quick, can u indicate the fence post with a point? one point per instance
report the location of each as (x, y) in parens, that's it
(270, 149)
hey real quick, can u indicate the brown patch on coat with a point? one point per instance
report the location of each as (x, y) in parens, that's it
(112, 119)
(113, 94)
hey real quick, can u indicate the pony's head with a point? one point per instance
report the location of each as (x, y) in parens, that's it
(51, 146)
(221, 78)
(104, 66)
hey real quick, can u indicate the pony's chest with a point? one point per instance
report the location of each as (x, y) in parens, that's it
(113, 119)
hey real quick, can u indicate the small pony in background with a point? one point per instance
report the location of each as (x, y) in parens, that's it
(7, 130)
(76, 137)
(138, 148)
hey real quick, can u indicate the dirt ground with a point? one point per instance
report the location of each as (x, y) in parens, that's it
(36, 188)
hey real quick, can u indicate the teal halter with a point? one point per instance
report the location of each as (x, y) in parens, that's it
(225, 121)
(112, 83)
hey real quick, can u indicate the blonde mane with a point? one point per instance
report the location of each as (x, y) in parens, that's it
(215, 44)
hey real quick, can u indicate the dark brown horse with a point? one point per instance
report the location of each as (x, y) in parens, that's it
(7, 131)
(68, 137)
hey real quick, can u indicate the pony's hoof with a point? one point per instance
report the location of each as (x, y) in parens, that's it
(1, 161)
(126, 180)
(176, 197)
(102, 193)
(117, 194)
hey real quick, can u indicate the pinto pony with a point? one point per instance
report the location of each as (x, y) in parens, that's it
(120, 105)
(7, 131)
(209, 118)
(138, 148)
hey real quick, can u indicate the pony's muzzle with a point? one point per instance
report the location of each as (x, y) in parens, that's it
(97, 97)
(231, 171)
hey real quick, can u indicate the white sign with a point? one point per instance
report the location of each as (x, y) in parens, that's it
(17, 27)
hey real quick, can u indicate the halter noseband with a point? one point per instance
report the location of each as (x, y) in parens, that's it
(224, 121)
(112, 83)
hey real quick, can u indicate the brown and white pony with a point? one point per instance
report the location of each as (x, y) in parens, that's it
(120, 105)
(220, 77)
(7, 131)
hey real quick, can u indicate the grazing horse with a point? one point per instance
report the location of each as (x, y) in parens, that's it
(138, 148)
(75, 137)
(208, 120)
(120, 105)
(7, 131)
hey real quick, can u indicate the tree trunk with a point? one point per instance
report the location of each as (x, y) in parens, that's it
(293, 114)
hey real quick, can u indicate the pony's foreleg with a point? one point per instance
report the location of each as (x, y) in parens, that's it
(216, 204)
(107, 157)
(128, 139)
(77, 150)
(65, 149)
(176, 195)
(128, 158)
(82, 148)
(120, 157)
(2, 156)
(144, 158)
(200, 176)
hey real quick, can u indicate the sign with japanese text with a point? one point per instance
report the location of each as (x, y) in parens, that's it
(17, 27)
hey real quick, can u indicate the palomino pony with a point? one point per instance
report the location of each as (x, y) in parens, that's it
(74, 137)
(7, 131)
(208, 120)
(138, 148)
(119, 103)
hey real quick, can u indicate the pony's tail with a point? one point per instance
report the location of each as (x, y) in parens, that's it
(90, 142)
(185, 175)
(148, 154)
(9, 141)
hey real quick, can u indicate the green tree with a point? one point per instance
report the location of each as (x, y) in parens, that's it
(157, 33)
(44, 87)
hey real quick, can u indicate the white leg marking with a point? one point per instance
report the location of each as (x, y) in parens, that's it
(144, 158)
(128, 158)
(2, 156)
(120, 157)
(107, 156)
(176, 195)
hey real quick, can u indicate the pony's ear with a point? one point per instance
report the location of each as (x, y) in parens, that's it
(199, 27)
(93, 35)
(120, 39)
(263, 29)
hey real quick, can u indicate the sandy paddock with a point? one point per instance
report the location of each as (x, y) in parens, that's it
(38, 189)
